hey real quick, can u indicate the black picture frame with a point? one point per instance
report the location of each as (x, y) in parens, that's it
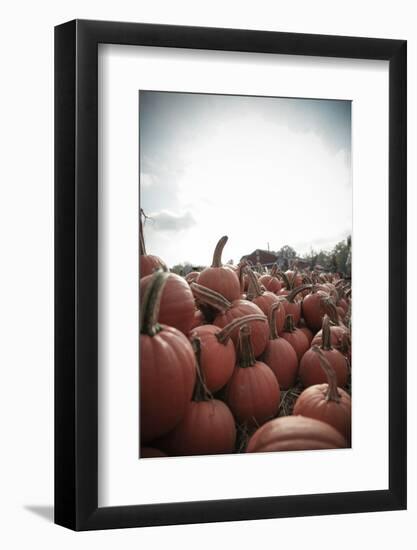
(76, 270)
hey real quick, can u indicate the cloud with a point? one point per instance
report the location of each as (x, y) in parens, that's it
(168, 221)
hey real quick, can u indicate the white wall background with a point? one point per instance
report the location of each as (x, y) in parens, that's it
(26, 273)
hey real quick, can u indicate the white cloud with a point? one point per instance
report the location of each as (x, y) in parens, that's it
(169, 221)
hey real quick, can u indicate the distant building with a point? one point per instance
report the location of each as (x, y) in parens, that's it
(262, 257)
(299, 263)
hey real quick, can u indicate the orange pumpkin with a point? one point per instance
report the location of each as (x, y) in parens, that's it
(253, 393)
(326, 402)
(279, 355)
(167, 367)
(218, 357)
(229, 311)
(295, 433)
(207, 426)
(310, 370)
(177, 307)
(221, 279)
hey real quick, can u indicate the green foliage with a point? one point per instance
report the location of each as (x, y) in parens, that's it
(336, 259)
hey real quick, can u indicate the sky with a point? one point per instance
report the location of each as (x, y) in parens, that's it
(257, 169)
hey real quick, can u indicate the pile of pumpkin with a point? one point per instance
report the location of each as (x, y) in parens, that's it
(219, 348)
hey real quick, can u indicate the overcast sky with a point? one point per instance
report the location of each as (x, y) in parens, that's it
(260, 170)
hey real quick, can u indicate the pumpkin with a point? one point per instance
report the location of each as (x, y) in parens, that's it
(207, 426)
(339, 339)
(310, 370)
(279, 355)
(147, 263)
(177, 307)
(264, 299)
(295, 433)
(221, 279)
(315, 306)
(294, 278)
(295, 337)
(229, 311)
(192, 276)
(291, 306)
(271, 281)
(326, 402)
(308, 333)
(253, 392)
(167, 367)
(217, 356)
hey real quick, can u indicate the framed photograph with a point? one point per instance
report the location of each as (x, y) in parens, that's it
(230, 284)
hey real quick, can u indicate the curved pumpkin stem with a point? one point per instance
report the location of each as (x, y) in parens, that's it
(151, 302)
(218, 251)
(332, 391)
(246, 355)
(285, 279)
(224, 334)
(210, 297)
(201, 392)
(254, 289)
(289, 323)
(325, 331)
(290, 297)
(272, 320)
(240, 273)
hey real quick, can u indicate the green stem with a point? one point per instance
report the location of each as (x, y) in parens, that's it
(150, 304)
(217, 256)
(332, 390)
(246, 355)
(224, 334)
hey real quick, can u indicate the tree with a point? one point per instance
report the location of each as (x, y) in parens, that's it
(284, 255)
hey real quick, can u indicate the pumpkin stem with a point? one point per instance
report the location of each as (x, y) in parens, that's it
(332, 390)
(246, 355)
(217, 256)
(272, 320)
(285, 279)
(254, 289)
(330, 308)
(289, 323)
(210, 297)
(224, 335)
(150, 304)
(290, 297)
(240, 273)
(201, 392)
(326, 339)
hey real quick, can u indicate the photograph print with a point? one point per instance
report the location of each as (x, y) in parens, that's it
(245, 238)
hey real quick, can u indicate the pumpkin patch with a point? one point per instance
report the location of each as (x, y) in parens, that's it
(243, 359)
